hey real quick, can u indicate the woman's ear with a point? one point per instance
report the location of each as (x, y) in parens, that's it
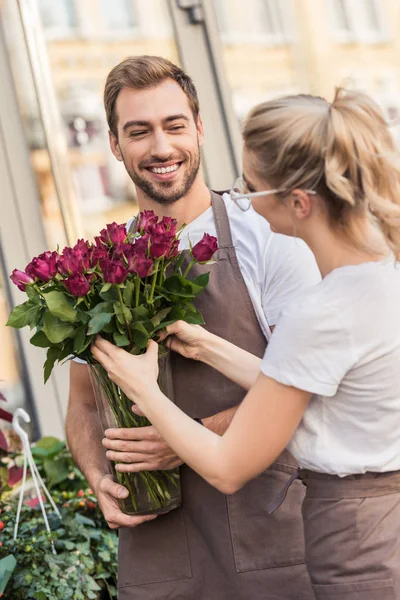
(301, 204)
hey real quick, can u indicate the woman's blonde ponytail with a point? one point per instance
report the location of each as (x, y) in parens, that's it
(343, 150)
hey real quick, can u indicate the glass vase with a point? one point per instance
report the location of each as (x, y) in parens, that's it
(150, 492)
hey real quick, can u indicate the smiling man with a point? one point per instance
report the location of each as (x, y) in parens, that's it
(214, 547)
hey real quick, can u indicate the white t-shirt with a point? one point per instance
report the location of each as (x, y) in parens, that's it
(341, 341)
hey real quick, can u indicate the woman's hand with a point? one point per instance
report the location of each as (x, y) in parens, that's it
(188, 340)
(135, 375)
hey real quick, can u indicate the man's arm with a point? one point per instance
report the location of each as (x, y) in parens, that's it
(84, 435)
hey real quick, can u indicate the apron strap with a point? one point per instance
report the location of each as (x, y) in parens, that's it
(221, 219)
(280, 497)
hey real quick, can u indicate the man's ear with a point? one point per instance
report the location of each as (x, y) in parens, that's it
(114, 145)
(200, 130)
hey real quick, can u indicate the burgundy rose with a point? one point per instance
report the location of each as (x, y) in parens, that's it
(116, 233)
(142, 266)
(113, 234)
(43, 267)
(160, 246)
(69, 262)
(174, 251)
(169, 225)
(97, 253)
(113, 271)
(205, 248)
(77, 285)
(145, 220)
(141, 244)
(21, 279)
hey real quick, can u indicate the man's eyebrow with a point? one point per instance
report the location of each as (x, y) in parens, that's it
(129, 124)
(168, 119)
(176, 118)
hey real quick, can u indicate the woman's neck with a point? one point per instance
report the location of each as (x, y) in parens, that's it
(333, 250)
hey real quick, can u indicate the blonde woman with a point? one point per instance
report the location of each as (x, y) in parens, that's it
(328, 386)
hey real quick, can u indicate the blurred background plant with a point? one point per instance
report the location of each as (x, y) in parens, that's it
(86, 561)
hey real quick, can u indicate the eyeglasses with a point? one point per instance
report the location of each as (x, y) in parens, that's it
(241, 195)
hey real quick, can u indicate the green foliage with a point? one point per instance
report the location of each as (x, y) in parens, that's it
(85, 565)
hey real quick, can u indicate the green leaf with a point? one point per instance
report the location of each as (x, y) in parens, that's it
(122, 313)
(194, 317)
(140, 314)
(128, 292)
(7, 566)
(56, 470)
(82, 520)
(202, 280)
(60, 306)
(109, 295)
(80, 339)
(105, 288)
(98, 322)
(102, 307)
(52, 355)
(50, 443)
(120, 339)
(40, 340)
(33, 294)
(140, 335)
(55, 330)
(160, 316)
(24, 314)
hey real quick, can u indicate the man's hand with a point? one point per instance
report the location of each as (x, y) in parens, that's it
(107, 493)
(139, 449)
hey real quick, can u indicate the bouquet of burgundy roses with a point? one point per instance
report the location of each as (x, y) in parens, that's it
(125, 286)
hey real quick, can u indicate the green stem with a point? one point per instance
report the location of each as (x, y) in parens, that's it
(154, 281)
(190, 265)
(122, 310)
(137, 291)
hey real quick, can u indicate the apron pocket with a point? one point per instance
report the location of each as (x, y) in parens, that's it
(381, 589)
(154, 552)
(260, 540)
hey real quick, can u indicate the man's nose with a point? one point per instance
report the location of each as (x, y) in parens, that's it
(161, 146)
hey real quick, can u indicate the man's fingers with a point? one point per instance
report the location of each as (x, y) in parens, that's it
(132, 433)
(108, 486)
(128, 457)
(122, 520)
(136, 467)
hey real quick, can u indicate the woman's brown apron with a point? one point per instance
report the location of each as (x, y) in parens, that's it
(352, 532)
(217, 547)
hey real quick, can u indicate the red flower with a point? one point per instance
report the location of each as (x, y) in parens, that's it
(43, 267)
(116, 233)
(169, 225)
(97, 253)
(142, 266)
(160, 246)
(113, 234)
(21, 279)
(69, 262)
(77, 285)
(15, 475)
(205, 248)
(113, 271)
(145, 220)
(174, 251)
(141, 244)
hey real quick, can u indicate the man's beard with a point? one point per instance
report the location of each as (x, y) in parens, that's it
(166, 193)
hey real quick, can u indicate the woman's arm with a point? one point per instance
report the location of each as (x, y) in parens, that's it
(260, 430)
(195, 342)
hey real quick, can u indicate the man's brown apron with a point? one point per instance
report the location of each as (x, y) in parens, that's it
(217, 547)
